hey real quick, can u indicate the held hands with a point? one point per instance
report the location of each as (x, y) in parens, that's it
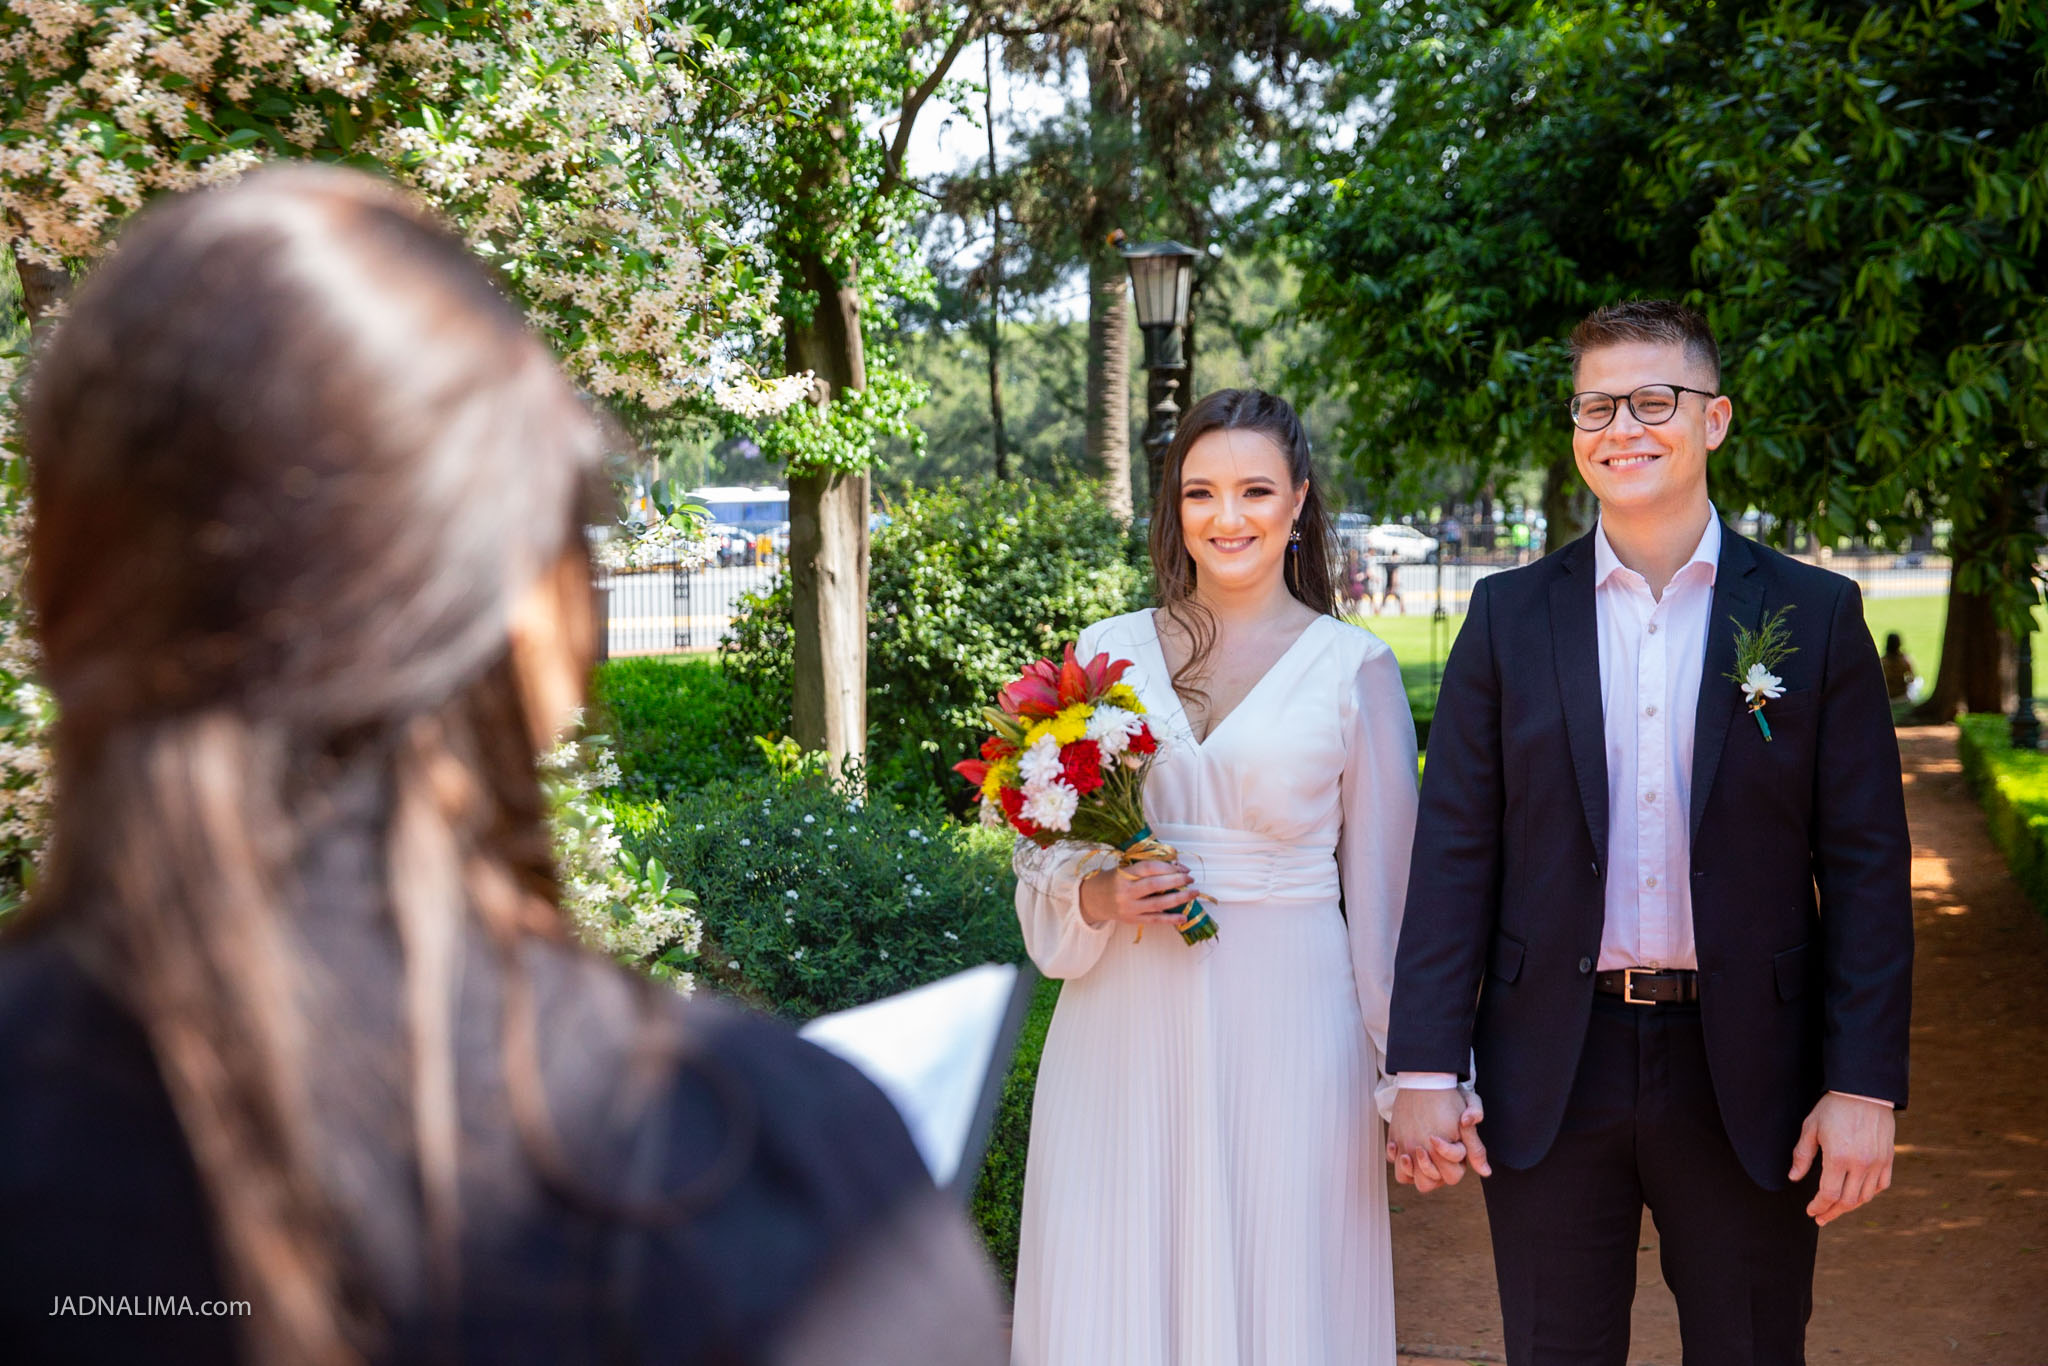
(1854, 1140)
(1432, 1136)
(1141, 894)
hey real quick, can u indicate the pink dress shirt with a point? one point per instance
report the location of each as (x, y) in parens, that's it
(1652, 651)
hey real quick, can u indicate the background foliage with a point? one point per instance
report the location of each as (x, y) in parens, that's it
(970, 581)
(678, 723)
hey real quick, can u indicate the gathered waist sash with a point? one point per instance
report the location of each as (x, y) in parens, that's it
(1238, 865)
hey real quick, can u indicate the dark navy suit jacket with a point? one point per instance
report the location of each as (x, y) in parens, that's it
(1801, 863)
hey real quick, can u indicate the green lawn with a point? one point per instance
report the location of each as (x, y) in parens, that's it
(1917, 620)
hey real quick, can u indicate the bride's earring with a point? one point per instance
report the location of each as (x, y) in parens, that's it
(1294, 538)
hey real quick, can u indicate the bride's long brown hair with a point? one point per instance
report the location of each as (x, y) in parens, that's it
(1308, 568)
(295, 458)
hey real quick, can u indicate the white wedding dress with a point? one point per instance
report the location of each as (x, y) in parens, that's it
(1206, 1180)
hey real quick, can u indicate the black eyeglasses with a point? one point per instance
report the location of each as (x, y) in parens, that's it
(1652, 404)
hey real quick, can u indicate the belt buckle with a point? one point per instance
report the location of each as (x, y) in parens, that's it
(1628, 986)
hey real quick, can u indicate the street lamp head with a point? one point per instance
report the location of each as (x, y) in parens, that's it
(1161, 273)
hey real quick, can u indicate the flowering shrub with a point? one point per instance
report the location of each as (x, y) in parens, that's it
(623, 905)
(553, 136)
(549, 134)
(826, 902)
(25, 716)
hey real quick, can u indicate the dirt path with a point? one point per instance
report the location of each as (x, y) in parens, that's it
(1951, 1265)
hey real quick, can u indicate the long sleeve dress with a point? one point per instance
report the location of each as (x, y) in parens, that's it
(1206, 1178)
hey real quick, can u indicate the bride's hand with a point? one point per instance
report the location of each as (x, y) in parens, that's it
(1147, 893)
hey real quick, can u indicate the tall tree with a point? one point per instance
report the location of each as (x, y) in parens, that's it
(1172, 136)
(1491, 195)
(1874, 253)
(786, 121)
(785, 126)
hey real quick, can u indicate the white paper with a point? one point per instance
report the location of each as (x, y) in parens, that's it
(929, 1050)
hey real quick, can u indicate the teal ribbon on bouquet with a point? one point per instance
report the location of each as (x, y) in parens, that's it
(1196, 924)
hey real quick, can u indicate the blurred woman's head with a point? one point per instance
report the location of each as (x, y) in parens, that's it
(296, 456)
(1237, 511)
(307, 502)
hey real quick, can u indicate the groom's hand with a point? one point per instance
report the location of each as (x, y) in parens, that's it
(1431, 1137)
(1854, 1140)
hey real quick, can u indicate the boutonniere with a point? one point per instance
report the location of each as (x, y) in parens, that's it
(1757, 654)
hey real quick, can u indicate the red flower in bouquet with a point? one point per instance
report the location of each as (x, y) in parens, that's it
(1081, 766)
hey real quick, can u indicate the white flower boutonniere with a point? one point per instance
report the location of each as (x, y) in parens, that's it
(1757, 653)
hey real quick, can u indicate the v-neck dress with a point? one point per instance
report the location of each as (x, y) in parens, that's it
(1206, 1178)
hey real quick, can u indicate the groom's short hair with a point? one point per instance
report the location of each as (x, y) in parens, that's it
(1649, 320)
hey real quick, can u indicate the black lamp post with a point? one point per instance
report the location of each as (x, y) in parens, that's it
(1161, 273)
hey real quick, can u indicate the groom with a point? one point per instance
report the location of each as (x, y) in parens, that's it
(1675, 936)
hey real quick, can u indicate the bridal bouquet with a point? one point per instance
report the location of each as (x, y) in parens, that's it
(1067, 763)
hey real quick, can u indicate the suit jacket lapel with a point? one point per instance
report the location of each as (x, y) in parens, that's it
(1738, 601)
(1575, 638)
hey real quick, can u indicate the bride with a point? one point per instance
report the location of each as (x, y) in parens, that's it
(1205, 1183)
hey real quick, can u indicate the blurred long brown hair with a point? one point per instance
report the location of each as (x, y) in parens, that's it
(1308, 569)
(295, 459)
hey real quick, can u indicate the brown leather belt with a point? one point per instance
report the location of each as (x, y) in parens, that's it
(1649, 987)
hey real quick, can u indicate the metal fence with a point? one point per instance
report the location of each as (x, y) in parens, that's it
(667, 609)
(1421, 586)
(664, 609)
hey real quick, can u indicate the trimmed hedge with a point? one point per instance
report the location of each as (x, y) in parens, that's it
(678, 723)
(999, 1194)
(2012, 786)
(813, 902)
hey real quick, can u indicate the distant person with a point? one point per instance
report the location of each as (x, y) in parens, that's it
(1390, 589)
(294, 1017)
(1898, 669)
(1357, 586)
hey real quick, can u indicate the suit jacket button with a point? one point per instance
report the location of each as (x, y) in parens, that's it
(1585, 966)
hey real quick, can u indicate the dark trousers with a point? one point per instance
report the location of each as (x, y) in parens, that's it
(1642, 1128)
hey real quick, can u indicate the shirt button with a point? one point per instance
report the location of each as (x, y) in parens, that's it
(1650, 881)
(1585, 966)
(1649, 796)
(1650, 711)
(1653, 628)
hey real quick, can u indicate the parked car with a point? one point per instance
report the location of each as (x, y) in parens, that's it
(729, 545)
(1401, 544)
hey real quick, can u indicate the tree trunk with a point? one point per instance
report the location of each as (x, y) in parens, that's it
(828, 540)
(1109, 318)
(42, 287)
(1109, 382)
(1976, 667)
(1565, 512)
(1977, 654)
(828, 577)
(995, 270)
